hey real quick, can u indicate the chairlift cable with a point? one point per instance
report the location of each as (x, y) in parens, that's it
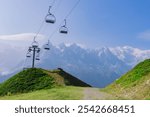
(42, 24)
(24, 63)
(53, 2)
(36, 35)
(73, 8)
(76, 4)
(58, 5)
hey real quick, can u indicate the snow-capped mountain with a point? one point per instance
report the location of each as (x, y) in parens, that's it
(98, 67)
(130, 55)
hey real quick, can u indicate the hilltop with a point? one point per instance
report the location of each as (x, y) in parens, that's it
(36, 79)
(135, 84)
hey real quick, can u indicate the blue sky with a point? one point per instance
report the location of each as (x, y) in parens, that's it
(94, 23)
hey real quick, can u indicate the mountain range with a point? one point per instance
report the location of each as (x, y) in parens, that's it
(97, 67)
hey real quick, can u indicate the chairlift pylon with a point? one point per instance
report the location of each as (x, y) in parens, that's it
(50, 18)
(63, 29)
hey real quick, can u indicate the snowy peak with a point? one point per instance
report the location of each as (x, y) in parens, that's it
(130, 55)
(104, 51)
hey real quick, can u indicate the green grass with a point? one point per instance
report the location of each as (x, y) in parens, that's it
(135, 75)
(133, 85)
(40, 84)
(37, 79)
(59, 93)
(27, 80)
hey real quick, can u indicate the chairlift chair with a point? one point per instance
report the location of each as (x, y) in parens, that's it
(50, 18)
(46, 47)
(28, 55)
(37, 58)
(38, 50)
(63, 29)
(30, 49)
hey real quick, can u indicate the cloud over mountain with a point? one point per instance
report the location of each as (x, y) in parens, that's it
(20, 37)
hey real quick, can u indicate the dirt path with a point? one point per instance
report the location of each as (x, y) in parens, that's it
(95, 94)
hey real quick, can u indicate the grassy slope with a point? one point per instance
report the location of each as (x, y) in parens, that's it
(27, 80)
(59, 93)
(133, 85)
(68, 78)
(37, 79)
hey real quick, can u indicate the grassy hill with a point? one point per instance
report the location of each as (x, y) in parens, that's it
(133, 85)
(37, 79)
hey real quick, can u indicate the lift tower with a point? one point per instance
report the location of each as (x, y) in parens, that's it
(36, 52)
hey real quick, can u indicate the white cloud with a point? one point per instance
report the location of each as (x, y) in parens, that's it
(144, 35)
(21, 37)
